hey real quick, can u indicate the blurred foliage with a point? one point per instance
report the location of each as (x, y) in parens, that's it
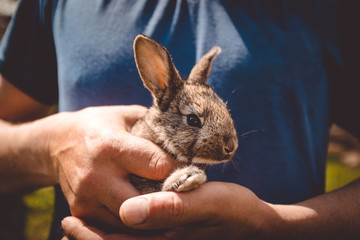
(337, 174)
(40, 210)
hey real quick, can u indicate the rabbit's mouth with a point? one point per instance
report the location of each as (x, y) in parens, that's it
(207, 161)
(200, 162)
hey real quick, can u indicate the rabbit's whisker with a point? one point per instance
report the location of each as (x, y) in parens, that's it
(252, 131)
(232, 92)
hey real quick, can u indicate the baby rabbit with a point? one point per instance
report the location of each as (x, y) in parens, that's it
(187, 118)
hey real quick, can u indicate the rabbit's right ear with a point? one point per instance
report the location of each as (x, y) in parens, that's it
(201, 71)
(155, 67)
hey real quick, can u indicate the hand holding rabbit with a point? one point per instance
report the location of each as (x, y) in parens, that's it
(93, 154)
(213, 211)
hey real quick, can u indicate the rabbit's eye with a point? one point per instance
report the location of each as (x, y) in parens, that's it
(193, 120)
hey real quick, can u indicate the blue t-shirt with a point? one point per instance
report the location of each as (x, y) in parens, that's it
(279, 63)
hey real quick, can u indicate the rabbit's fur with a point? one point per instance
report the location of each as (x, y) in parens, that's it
(187, 118)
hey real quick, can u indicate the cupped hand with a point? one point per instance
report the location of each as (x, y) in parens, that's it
(94, 153)
(213, 211)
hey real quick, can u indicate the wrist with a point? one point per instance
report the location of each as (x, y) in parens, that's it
(288, 221)
(32, 150)
(268, 222)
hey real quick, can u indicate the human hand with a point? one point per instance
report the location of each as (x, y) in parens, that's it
(93, 155)
(213, 211)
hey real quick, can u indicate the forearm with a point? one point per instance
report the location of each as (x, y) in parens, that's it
(334, 215)
(24, 160)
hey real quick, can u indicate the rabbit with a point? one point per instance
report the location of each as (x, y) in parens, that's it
(187, 118)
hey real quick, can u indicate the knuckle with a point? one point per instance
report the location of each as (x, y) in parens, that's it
(166, 210)
(79, 207)
(83, 196)
(177, 208)
(160, 165)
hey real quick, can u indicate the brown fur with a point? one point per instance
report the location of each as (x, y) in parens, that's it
(166, 121)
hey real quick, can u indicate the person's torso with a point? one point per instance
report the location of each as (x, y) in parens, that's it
(270, 73)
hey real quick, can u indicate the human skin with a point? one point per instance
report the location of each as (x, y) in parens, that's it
(90, 153)
(228, 211)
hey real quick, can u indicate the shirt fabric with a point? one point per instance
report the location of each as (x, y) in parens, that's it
(280, 62)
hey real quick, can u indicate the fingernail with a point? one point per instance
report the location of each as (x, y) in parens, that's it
(136, 211)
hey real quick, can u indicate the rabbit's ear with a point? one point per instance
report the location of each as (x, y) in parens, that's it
(201, 71)
(155, 66)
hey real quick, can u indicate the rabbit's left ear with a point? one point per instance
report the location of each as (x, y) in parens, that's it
(201, 71)
(155, 67)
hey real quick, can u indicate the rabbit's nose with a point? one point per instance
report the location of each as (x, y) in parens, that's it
(228, 149)
(230, 145)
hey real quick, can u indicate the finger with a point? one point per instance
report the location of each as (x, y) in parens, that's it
(102, 195)
(77, 229)
(143, 158)
(113, 194)
(168, 209)
(128, 114)
(132, 113)
(103, 218)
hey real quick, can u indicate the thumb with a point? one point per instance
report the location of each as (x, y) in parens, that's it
(169, 209)
(131, 113)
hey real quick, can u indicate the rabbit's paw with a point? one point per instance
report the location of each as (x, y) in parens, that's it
(184, 179)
